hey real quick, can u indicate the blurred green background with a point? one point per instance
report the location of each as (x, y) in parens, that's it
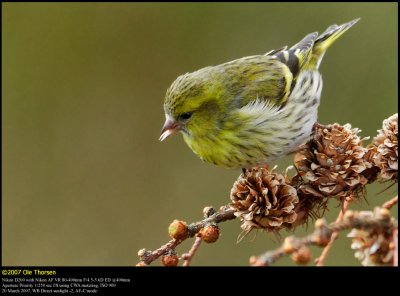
(85, 179)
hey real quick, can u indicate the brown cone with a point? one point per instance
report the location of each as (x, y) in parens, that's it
(371, 173)
(386, 143)
(263, 200)
(311, 204)
(333, 161)
(374, 246)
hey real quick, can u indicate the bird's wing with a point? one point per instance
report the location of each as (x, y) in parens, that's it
(273, 77)
(298, 55)
(268, 77)
(258, 77)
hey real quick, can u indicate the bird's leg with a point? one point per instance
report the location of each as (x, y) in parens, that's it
(261, 166)
(318, 125)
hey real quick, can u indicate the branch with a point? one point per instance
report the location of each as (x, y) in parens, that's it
(320, 261)
(319, 237)
(390, 203)
(189, 256)
(224, 214)
(322, 234)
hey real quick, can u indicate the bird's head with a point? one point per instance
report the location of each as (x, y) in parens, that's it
(192, 105)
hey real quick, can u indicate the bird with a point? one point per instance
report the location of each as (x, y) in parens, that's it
(253, 110)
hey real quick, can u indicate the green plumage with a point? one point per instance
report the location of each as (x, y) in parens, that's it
(252, 110)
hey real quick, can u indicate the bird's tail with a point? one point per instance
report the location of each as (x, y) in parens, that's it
(326, 39)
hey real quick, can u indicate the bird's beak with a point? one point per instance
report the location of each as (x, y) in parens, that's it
(170, 127)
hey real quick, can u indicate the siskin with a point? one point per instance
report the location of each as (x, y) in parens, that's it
(253, 110)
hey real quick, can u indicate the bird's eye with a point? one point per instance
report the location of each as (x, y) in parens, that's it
(186, 116)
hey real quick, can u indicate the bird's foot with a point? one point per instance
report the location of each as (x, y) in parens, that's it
(260, 166)
(318, 125)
